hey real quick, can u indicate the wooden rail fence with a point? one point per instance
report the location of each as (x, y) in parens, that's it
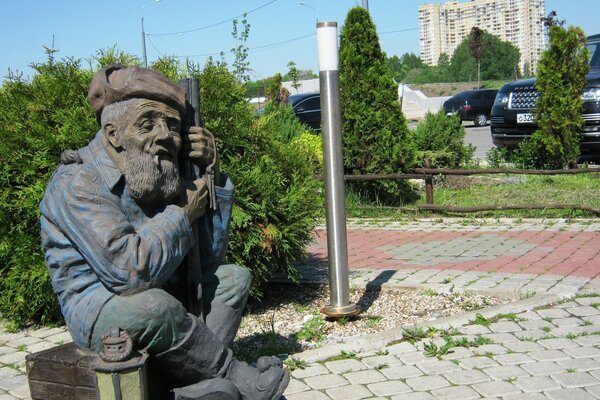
(428, 173)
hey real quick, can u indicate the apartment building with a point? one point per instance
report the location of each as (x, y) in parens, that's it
(442, 27)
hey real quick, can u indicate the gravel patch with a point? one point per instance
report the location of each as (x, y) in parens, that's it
(287, 319)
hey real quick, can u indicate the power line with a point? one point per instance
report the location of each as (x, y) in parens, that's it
(399, 30)
(211, 25)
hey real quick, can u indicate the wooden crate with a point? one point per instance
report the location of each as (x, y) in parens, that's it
(62, 372)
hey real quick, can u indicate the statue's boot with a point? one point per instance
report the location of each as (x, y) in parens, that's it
(224, 321)
(201, 355)
(210, 389)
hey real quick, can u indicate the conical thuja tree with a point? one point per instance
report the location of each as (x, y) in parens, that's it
(375, 135)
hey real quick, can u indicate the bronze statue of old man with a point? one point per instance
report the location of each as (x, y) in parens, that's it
(116, 225)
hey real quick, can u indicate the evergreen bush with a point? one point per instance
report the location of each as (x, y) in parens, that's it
(375, 134)
(560, 81)
(277, 198)
(440, 139)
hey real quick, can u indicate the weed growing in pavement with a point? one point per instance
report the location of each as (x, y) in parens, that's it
(548, 319)
(313, 329)
(526, 295)
(300, 308)
(12, 366)
(587, 322)
(510, 379)
(344, 355)
(526, 339)
(382, 353)
(481, 320)
(342, 321)
(292, 364)
(447, 280)
(22, 347)
(379, 367)
(572, 335)
(509, 316)
(482, 340)
(413, 334)
(583, 295)
(571, 370)
(596, 305)
(429, 292)
(546, 329)
(372, 320)
(433, 350)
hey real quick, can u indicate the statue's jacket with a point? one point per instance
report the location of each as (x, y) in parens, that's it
(100, 243)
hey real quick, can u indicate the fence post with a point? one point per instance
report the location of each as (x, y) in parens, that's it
(428, 184)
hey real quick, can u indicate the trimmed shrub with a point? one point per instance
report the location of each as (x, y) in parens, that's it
(560, 81)
(441, 139)
(277, 203)
(375, 134)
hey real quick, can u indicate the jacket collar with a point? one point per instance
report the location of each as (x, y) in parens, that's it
(111, 175)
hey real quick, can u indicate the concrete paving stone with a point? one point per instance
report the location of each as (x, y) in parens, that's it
(6, 337)
(436, 367)
(7, 372)
(557, 344)
(414, 396)
(583, 352)
(372, 362)
(567, 322)
(580, 364)
(526, 396)
(341, 366)
(584, 311)
(513, 359)
(12, 382)
(7, 396)
(531, 335)
(504, 372)
(523, 346)
(569, 394)
(17, 357)
(591, 340)
(535, 324)
(401, 372)
(401, 348)
(502, 337)
(543, 368)
(21, 391)
(389, 388)
(594, 390)
(23, 341)
(427, 383)
(413, 358)
(496, 389)
(536, 384)
(312, 395)
(45, 332)
(60, 338)
(594, 319)
(504, 327)
(351, 392)
(595, 374)
(296, 386)
(588, 301)
(311, 370)
(364, 377)
(553, 313)
(569, 332)
(564, 290)
(489, 349)
(455, 393)
(466, 377)
(478, 362)
(575, 379)
(564, 306)
(34, 348)
(474, 330)
(325, 381)
(548, 355)
(458, 353)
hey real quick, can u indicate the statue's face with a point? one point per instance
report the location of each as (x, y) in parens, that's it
(151, 140)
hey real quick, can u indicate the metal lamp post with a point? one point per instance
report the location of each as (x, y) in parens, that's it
(331, 123)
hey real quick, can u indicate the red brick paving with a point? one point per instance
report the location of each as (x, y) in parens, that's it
(557, 252)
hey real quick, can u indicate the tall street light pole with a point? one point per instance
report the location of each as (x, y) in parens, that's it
(144, 45)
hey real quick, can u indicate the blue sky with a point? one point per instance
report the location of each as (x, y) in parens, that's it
(281, 30)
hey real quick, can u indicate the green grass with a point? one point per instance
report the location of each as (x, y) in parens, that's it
(580, 189)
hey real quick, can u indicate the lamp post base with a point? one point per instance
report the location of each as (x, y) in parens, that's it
(349, 310)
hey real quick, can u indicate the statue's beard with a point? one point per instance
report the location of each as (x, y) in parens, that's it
(152, 180)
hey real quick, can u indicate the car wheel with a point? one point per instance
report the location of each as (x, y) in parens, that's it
(480, 120)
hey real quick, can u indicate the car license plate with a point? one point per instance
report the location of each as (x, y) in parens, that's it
(525, 118)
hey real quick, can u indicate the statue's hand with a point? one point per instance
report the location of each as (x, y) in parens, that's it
(194, 199)
(199, 146)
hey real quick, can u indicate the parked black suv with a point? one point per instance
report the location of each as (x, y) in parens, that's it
(472, 105)
(512, 117)
(307, 107)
